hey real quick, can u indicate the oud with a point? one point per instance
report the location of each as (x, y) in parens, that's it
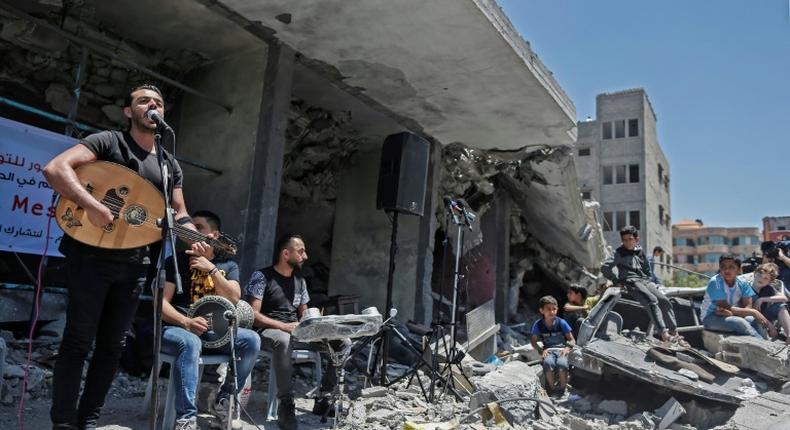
(137, 207)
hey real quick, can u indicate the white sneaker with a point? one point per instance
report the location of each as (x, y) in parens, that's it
(220, 410)
(186, 424)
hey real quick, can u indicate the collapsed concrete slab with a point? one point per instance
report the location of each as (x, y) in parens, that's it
(770, 411)
(630, 358)
(770, 359)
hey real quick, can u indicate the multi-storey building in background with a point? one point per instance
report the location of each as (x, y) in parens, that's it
(620, 164)
(776, 228)
(697, 247)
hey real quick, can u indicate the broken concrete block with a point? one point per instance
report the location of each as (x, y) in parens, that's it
(785, 388)
(669, 412)
(614, 407)
(688, 374)
(514, 379)
(374, 392)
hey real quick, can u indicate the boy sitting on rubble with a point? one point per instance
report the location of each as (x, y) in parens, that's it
(771, 300)
(633, 273)
(578, 306)
(727, 305)
(555, 333)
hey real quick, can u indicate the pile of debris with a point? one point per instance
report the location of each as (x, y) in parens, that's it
(39, 374)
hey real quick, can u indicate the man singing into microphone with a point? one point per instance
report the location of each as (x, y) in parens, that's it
(200, 276)
(104, 285)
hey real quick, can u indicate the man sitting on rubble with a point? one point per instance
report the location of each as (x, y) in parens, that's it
(557, 338)
(727, 305)
(771, 300)
(634, 274)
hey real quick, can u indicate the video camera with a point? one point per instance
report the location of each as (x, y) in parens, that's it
(771, 249)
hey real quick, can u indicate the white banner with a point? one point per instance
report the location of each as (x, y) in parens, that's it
(25, 196)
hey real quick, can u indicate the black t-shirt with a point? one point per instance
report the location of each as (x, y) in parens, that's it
(767, 291)
(120, 147)
(189, 292)
(280, 296)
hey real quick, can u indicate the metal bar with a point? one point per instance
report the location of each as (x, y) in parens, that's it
(690, 328)
(199, 166)
(112, 55)
(79, 79)
(46, 114)
(701, 275)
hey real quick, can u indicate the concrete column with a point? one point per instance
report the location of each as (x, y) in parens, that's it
(423, 301)
(267, 161)
(496, 245)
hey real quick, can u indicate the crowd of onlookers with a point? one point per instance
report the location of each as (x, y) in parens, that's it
(753, 303)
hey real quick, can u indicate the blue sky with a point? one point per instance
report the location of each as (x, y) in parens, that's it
(717, 73)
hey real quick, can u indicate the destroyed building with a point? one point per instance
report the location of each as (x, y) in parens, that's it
(281, 109)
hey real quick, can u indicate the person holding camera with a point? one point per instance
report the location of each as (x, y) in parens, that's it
(771, 300)
(776, 252)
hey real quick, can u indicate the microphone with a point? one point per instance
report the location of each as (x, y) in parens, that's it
(468, 215)
(154, 116)
(452, 206)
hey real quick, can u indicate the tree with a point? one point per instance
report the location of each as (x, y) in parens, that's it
(685, 280)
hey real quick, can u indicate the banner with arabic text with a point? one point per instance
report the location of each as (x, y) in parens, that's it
(25, 196)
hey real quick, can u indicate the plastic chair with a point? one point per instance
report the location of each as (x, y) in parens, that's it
(169, 416)
(298, 356)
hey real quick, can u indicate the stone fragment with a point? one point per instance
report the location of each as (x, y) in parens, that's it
(669, 412)
(375, 391)
(688, 374)
(614, 407)
(512, 380)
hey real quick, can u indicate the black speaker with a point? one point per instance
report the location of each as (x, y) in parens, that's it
(403, 173)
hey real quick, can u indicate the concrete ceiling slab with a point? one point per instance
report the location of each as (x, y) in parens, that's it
(455, 67)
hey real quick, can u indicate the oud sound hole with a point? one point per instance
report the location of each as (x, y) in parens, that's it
(136, 215)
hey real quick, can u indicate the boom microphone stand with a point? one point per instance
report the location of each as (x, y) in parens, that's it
(168, 244)
(463, 218)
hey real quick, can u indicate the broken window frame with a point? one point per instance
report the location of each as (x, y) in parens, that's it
(633, 173)
(584, 152)
(633, 127)
(606, 130)
(634, 218)
(608, 175)
(619, 129)
(621, 174)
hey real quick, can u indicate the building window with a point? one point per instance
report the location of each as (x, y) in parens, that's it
(620, 174)
(620, 219)
(660, 173)
(607, 175)
(583, 152)
(711, 258)
(586, 195)
(633, 173)
(608, 223)
(633, 127)
(661, 214)
(717, 240)
(619, 129)
(633, 218)
(607, 130)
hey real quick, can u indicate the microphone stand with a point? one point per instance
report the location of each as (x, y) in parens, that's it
(234, 399)
(157, 287)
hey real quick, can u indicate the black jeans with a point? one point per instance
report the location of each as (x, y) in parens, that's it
(103, 298)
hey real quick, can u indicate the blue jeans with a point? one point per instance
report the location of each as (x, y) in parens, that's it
(745, 326)
(771, 310)
(555, 360)
(186, 347)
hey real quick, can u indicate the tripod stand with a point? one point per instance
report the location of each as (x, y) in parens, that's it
(462, 217)
(412, 372)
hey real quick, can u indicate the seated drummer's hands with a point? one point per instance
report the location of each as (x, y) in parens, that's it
(289, 327)
(201, 249)
(201, 263)
(197, 325)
